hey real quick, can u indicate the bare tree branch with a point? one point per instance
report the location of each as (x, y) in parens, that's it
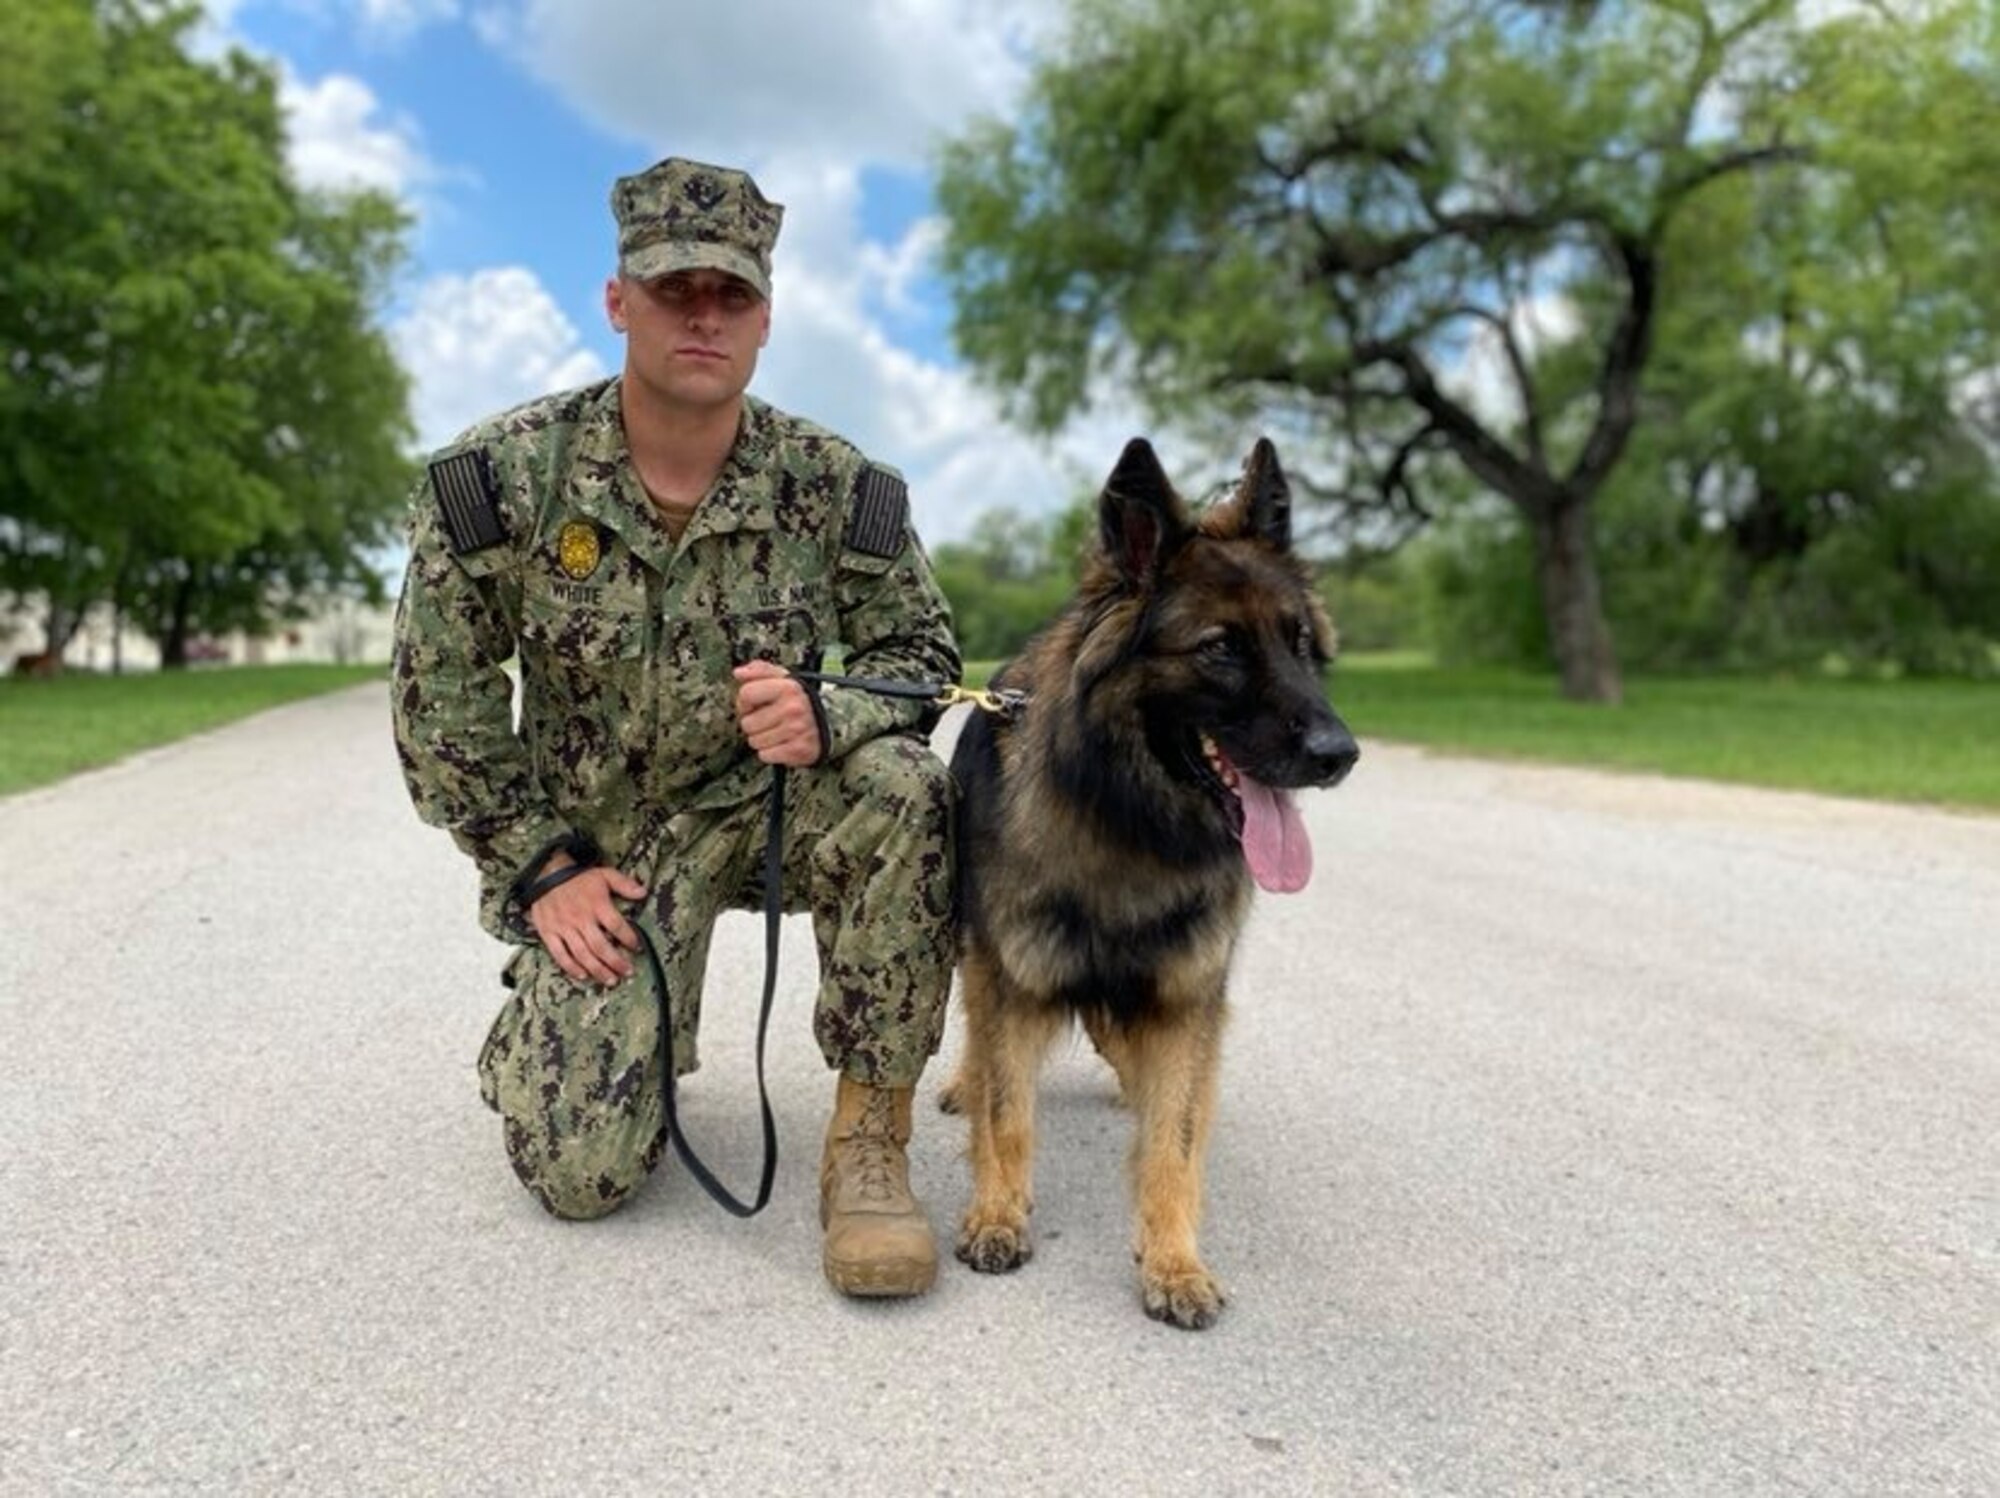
(1708, 169)
(1486, 455)
(1524, 379)
(1618, 382)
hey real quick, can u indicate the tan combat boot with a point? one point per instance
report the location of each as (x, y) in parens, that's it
(878, 1241)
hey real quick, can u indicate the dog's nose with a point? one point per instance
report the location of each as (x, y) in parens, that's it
(1331, 750)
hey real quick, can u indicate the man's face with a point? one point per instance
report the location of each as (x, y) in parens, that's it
(691, 337)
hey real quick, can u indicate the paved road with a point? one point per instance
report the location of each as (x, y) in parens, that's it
(1580, 1134)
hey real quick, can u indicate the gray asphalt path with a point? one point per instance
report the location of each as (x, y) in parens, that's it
(1580, 1134)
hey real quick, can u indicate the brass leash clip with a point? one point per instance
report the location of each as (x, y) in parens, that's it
(1006, 701)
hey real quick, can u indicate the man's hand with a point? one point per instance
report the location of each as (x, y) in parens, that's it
(582, 929)
(776, 719)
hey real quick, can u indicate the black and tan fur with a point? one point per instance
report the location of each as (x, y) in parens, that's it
(1101, 877)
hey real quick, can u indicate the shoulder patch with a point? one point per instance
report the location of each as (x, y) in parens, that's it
(468, 501)
(879, 515)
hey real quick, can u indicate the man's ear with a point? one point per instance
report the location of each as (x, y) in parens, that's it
(614, 303)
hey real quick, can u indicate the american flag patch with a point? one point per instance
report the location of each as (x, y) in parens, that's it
(880, 514)
(469, 502)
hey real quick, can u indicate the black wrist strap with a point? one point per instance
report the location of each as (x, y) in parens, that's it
(526, 899)
(533, 884)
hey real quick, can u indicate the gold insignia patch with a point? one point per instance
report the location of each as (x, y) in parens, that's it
(577, 549)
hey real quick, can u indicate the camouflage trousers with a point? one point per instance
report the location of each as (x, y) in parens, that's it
(573, 1068)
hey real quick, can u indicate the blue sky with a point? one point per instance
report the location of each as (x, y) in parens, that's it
(502, 123)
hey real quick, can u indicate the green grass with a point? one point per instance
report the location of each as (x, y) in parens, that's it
(1921, 741)
(49, 729)
(1927, 741)
(1924, 741)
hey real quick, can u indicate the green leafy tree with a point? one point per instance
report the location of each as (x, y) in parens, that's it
(1811, 481)
(1319, 210)
(53, 56)
(199, 420)
(328, 442)
(1812, 413)
(1011, 577)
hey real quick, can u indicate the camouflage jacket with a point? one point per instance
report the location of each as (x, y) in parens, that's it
(625, 639)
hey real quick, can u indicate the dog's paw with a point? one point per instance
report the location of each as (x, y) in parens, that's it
(950, 1098)
(994, 1247)
(1189, 1298)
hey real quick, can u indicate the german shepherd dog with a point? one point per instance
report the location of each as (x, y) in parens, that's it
(1110, 834)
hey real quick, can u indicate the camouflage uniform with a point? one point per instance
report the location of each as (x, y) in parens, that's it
(627, 733)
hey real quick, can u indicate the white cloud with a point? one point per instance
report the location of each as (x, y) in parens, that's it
(339, 135)
(340, 140)
(387, 21)
(220, 13)
(827, 363)
(761, 80)
(213, 32)
(477, 344)
(896, 270)
(395, 19)
(832, 362)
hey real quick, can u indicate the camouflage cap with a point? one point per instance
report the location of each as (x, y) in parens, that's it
(686, 215)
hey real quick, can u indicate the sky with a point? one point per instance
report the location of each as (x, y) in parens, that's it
(501, 125)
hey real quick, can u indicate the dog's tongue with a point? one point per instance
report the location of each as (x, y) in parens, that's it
(1275, 844)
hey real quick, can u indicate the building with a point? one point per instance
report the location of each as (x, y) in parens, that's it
(341, 631)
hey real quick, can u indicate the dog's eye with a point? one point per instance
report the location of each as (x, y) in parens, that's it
(1220, 647)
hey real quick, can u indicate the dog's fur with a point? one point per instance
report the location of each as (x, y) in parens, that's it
(1100, 870)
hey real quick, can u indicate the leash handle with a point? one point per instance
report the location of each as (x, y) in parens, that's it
(774, 900)
(881, 686)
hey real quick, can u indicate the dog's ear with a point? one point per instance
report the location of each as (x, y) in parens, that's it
(1264, 497)
(1140, 519)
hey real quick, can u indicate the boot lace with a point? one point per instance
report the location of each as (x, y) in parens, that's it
(873, 1149)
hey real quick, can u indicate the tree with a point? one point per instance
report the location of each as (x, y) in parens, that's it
(330, 402)
(198, 418)
(1816, 395)
(1321, 209)
(1012, 576)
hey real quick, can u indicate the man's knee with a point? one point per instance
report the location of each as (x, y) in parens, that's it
(571, 1070)
(576, 1200)
(899, 777)
(573, 1184)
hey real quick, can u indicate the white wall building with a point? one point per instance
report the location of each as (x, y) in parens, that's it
(340, 631)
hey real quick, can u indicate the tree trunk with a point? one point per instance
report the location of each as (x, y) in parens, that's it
(59, 625)
(119, 583)
(173, 646)
(1566, 566)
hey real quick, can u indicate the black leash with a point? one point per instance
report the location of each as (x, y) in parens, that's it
(774, 904)
(588, 857)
